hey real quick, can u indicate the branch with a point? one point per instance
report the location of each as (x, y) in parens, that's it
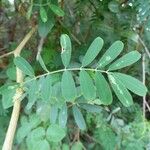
(16, 99)
(143, 75)
(7, 54)
(145, 47)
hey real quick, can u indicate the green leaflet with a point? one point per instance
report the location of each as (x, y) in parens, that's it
(32, 92)
(66, 49)
(132, 84)
(53, 114)
(63, 115)
(46, 88)
(43, 14)
(24, 66)
(120, 90)
(45, 27)
(113, 51)
(57, 10)
(29, 12)
(103, 89)
(55, 133)
(35, 139)
(7, 92)
(91, 108)
(125, 60)
(68, 88)
(41, 144)
(93, 51)
(87, 87)
(26, 126)
(78, 118)
(42, 63)
(77, 146)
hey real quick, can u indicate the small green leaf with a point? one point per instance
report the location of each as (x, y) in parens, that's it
(103, 89)
(41, 144)
(120, 90)
(45, 27)
(77, 146)
(46, 88)
(66, 49)
(113, 6)
(8, 92)
(79, 118)
(63, 115)
(24, 66)
(42, 63)
(53, 114)
(87, 86)
(93, 51)
(125, 60)
(43, 14)
(55, 133)
(29, 12)
(113, 51)
(132, 84)
(68, 88)
(32, 94)
(57, 10)
(91, 108)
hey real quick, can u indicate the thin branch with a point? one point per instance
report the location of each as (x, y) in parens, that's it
(16, 99)
(7, 54)
(143, 75)
(145, 47)
(40, 46)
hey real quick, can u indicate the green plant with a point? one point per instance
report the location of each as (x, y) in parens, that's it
(75, 87)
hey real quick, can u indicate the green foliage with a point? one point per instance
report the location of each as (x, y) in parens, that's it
(23, 65)
(77, 107)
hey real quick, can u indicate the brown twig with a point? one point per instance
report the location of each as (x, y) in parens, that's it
(16, 99)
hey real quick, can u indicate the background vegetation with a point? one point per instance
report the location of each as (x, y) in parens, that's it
(112, 127)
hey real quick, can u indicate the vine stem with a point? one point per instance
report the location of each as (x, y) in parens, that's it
(16, 99)
(62, 70)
